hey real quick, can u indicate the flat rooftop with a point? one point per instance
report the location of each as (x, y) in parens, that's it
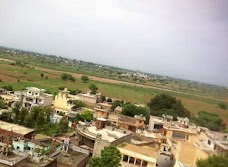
(222, 144)
(28, 162)
(149, 152)
(180, 129)
(71, 158)
(15, 128)
(11, 159)
(106, 133)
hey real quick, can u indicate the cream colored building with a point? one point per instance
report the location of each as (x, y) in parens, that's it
(181, 134)
(187, 154)
(64, 101)
(133, 155)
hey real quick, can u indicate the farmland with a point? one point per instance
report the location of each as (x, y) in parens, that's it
(30, 75)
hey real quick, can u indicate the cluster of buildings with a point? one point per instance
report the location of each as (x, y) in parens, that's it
(163, 143)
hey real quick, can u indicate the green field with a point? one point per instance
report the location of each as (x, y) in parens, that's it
(21, 77)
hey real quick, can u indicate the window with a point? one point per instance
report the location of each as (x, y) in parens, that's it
(209, 142)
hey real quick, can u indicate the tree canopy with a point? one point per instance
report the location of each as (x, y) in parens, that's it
(2, 104)
(87, 115)
(110, 157)
(78, 104)
(67, 77)
(213, 161)
(63, 125)
(132, 110)
(166, 104)
(85, 78)
(116, 103)
(93, 88)
(210, 120)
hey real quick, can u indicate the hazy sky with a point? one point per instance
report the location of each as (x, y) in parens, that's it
(180, 38)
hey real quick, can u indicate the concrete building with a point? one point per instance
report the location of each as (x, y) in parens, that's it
(155, 123)
(19, 157)
(187, 154)
(8, 99)
(133, 155)
(131, 123)
(118, 110)
(180, 134)
(32, 97)
(10, 131)
(216, 141)
(89, 98)
(101, 110)
(97, 137)
(74, 157)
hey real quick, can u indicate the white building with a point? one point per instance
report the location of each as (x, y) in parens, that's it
(32, 97)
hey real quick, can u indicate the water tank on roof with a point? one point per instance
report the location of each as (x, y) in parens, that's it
(165, 159)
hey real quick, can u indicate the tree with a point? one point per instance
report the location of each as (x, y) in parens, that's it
(95, 162)
(87, 115)
(63, 125)
(103, 99)
(132, 110)
(29, 122)
(2, 104)
(48, 112)
(213, 161)
(173, 106)
(78, 104)
(85, 78)
(22, 115)
(93, 88)
(110, 157)
(40, 121)
(16, 111)
(68, 77)
(79, 117)
(46, 77)
(210, 120)
(42, 75)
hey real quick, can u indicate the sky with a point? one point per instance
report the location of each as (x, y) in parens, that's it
(186, 39)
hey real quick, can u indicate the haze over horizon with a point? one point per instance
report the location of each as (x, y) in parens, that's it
(182, 39)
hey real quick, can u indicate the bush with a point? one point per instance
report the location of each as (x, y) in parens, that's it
(222, 106)
(85, 78)
(67, 77)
